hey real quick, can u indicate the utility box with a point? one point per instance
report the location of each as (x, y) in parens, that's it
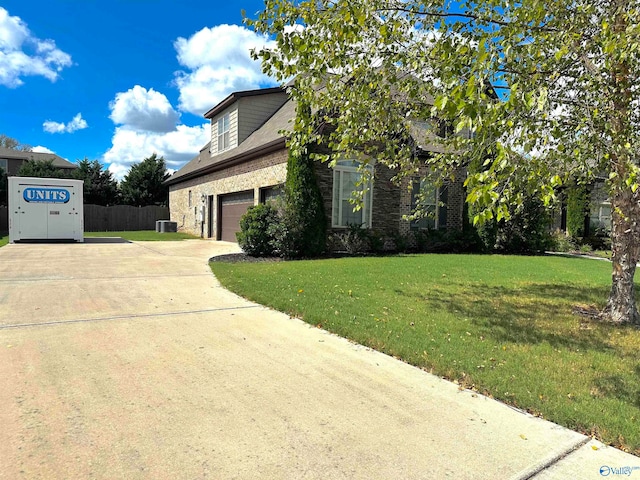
(45, 209)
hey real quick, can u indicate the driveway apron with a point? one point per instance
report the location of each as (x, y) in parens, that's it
(129, 360)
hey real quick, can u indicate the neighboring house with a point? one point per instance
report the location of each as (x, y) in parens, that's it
(12, 160)
(245, 164)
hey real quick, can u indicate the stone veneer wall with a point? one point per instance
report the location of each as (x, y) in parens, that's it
(255, 174)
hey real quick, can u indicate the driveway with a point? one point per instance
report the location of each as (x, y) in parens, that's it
(128, 360)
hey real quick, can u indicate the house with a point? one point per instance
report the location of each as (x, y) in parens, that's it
(12, 160)
(245, 164)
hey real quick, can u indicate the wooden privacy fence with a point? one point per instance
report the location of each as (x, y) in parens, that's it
(117, 218)
(4, 219)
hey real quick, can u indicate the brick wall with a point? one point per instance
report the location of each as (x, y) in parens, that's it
(390, 201)
(262, 172)
(454, 205)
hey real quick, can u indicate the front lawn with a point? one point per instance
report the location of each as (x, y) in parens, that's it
(143, 235)
(502, 325)
(4, 238)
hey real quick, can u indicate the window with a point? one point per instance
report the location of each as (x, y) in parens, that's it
(438, 127)
(223, 133)
(190, 202)
(600, 215)
(3, 164)
(347, 179)
(271, 194)
(432, 201)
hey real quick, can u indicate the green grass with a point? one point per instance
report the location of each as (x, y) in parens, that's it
(500, 325)
(143, 235)
(137, 236)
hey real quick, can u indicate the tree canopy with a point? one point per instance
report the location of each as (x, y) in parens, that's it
(40, 168)
(143, 184)
(537, 92)
(100, 188)
(13, 144)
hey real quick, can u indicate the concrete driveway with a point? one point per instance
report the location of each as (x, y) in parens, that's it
(128, 360)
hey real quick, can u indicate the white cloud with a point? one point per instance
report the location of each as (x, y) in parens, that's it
(147, 125)
(177, 147)
(218, 63)
(77, 123)
(41, 149)
(144, 110)
(22, 54)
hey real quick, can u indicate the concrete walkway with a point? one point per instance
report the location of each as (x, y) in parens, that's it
(128, 360)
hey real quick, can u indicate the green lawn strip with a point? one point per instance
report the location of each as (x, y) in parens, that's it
(501, 325)
(144, 235)
(4, 238)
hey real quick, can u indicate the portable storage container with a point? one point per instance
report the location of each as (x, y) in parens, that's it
(45, 209)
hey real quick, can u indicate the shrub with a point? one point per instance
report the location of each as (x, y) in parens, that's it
(577, 209)
(377, 241)
(528, 230)
(447, 241)
(257, 230)
(401, 242)
(302, 231)
(561, 242)
(354, 240)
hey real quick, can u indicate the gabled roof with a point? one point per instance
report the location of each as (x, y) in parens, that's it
(231, 99)
(266, 139)
(59, 162)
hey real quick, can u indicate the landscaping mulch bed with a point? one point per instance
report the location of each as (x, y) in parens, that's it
(243, 258)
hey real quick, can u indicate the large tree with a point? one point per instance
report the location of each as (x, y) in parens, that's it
(40, 168)
(144, 183)
(100, 188)
(566, 75)
(13, 144)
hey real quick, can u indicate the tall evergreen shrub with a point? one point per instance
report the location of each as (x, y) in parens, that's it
(303, 229)
(577, 209)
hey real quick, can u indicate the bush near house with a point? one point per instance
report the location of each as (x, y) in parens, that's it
(296, 229)
(303, 227)
(258, 228)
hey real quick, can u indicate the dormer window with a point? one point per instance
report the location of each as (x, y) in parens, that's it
(223, 133)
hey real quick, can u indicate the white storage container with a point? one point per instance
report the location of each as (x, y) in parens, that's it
(45, 209)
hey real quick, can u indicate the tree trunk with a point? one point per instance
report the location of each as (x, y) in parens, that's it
(625, 236)
(625, 205)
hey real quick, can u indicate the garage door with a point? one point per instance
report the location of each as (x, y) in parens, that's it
(232, 207)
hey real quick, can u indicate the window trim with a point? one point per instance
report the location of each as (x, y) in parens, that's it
(263, 192)
(224, 132)
(338, 178)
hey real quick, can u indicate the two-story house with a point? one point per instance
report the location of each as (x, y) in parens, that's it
(12, 160)
(245, 164)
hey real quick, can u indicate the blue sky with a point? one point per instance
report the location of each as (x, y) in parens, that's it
(116, 80)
